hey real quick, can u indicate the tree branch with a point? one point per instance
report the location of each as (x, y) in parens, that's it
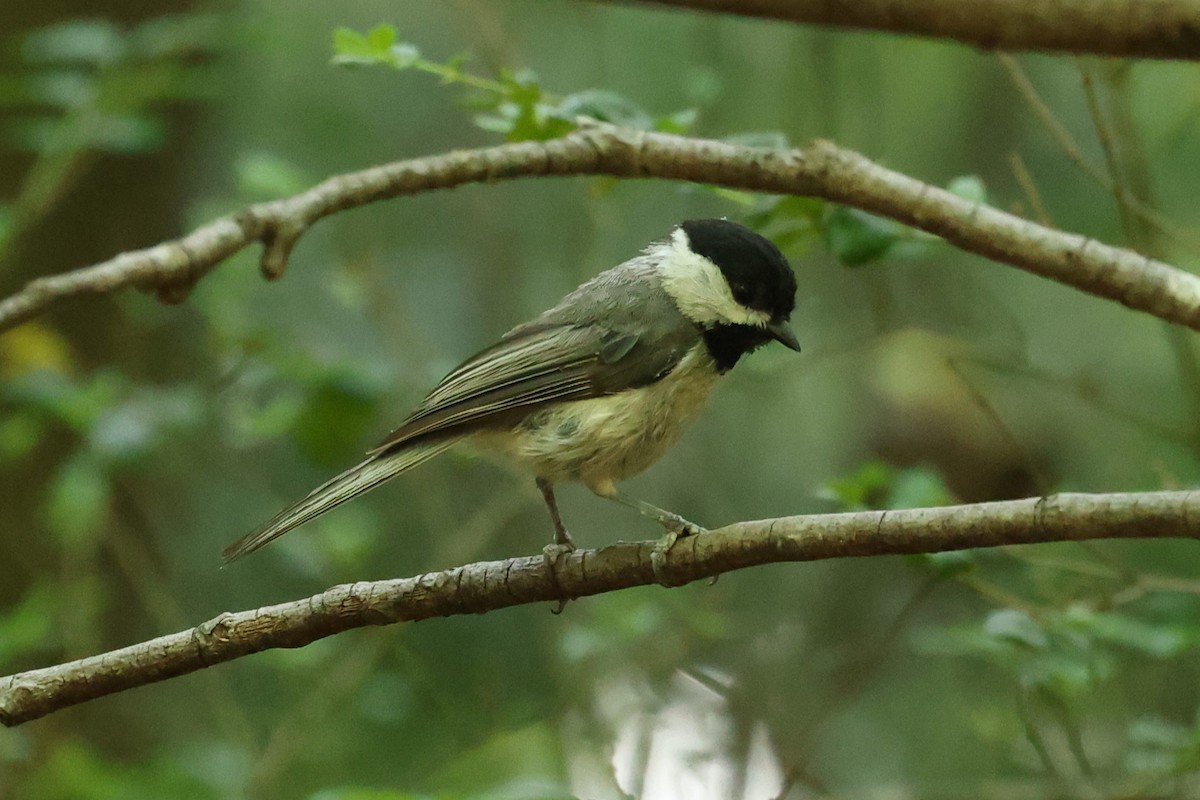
(1133, 28)
(486, 586)
(822, 170)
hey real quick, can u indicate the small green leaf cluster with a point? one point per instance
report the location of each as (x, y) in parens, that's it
(513, 104)
(854, 237)
(1059, 661)
(876, 485)
(1068, 653)
(1060, 632)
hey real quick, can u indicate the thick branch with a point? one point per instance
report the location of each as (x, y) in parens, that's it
(822, 169)
(1133, 28)
(477, 588)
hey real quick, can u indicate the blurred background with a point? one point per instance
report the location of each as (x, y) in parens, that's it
(137, 440)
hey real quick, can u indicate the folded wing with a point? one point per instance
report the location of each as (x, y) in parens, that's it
(539, 365)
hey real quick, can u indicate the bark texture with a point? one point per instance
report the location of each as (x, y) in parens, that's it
(487, 586)
(821, 170)
(1131, 28)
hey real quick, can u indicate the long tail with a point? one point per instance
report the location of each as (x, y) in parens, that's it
(351, 483)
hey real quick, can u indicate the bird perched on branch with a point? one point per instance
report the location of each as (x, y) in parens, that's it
(599, 387)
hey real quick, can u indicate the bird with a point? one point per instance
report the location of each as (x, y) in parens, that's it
(599, 387)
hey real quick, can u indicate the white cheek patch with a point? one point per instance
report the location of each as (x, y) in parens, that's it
(699, 289)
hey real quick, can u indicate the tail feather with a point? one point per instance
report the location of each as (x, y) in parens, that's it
(351, 483)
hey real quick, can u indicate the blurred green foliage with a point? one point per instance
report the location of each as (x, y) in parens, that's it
(136, 440)
(86, 87)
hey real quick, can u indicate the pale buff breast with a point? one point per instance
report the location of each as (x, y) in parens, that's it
(614, 437)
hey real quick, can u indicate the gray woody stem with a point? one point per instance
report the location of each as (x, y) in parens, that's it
(822, 169)
(486, 586)
(1133, 28)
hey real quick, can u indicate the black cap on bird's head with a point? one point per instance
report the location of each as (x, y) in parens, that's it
(759, 277)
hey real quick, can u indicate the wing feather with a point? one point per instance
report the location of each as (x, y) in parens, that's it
(351, 483)
(535, 365)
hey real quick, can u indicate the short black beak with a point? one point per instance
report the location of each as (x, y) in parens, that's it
(783, 333)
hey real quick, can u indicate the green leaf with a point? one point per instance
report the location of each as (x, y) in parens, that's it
(522, 107)
(1065, 674)
(948, 564)
(457, 61)
(128, 133)
(793, 223)
(252, 420)
(494, 123)
(604, 105)
(1011, 625)
(29, 625)
(380, 39)
(867, 488)
(919, 487)
(66, 88)
(1158, 641)
(40, 134)
(76, 405)
(80, 41)
(148, 418)
(959, 641)
(794, 208)
(77, 504)
(334, 419)
(404, 55)
(968, 187)
(1157, 746)
(877, 485)
(855, 237)
(678, 122)
(352, 45)
(264, 176)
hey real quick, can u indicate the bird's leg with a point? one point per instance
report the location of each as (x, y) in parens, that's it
(562, 539)
(563, 543)
(677, 527)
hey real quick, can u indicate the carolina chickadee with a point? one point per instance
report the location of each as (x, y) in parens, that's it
(599, 387)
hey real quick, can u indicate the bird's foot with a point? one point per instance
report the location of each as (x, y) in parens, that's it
(677, 528)
(551, 555)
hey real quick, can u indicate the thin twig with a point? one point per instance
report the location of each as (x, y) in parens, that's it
(1029, 187)
(1141, 233)
(1134, 232)
(1074, 154)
